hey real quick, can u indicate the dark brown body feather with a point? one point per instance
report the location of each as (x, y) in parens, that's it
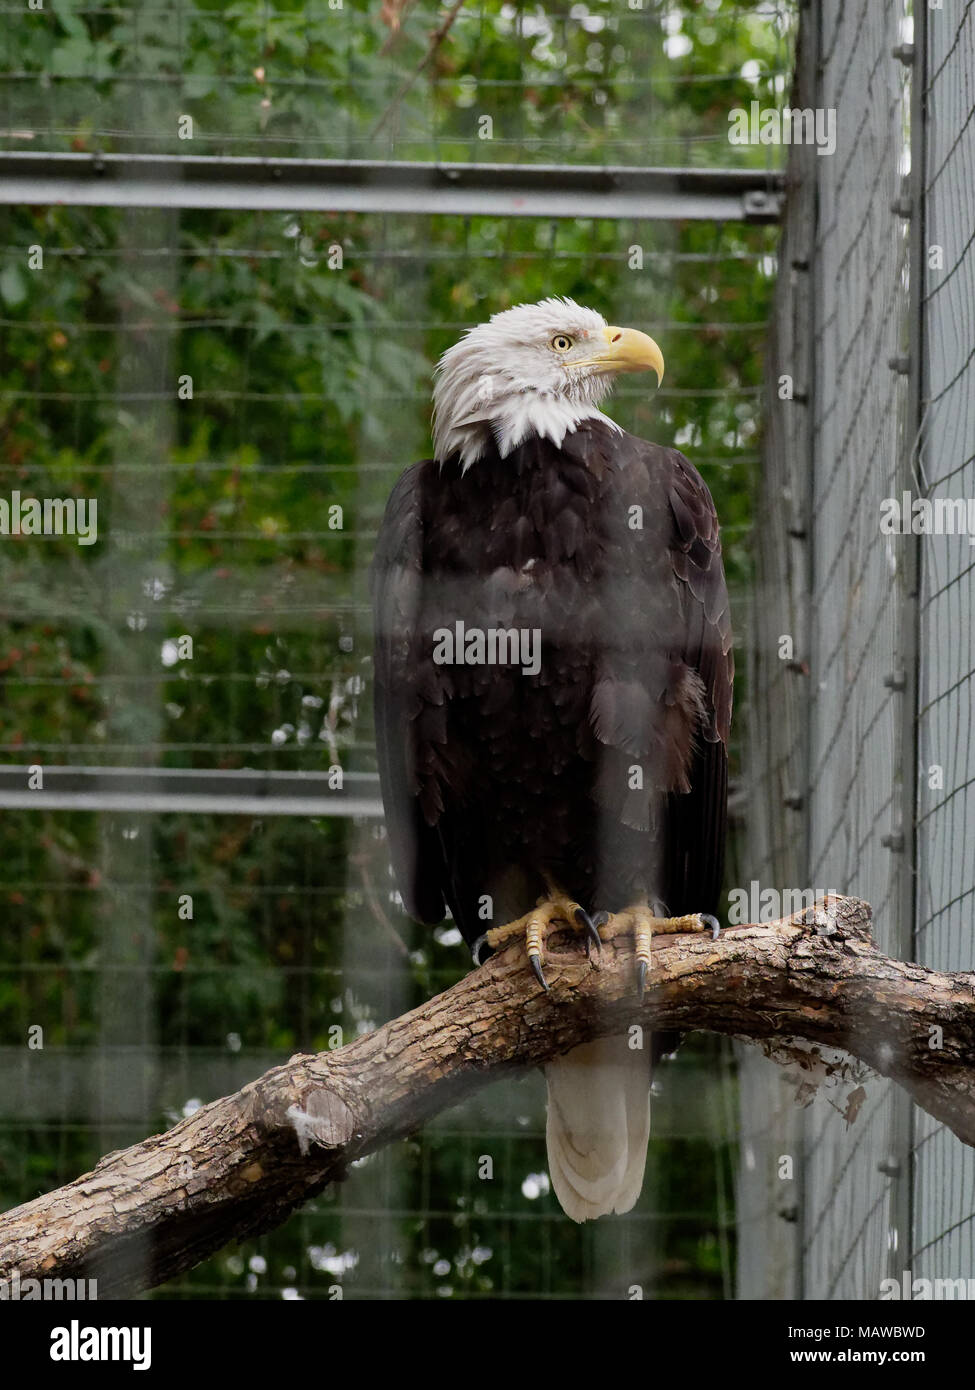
(492, 778)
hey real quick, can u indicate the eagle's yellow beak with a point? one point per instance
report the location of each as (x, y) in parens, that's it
(626, 350)
(629, 350)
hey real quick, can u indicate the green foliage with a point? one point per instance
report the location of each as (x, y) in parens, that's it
(605, 81)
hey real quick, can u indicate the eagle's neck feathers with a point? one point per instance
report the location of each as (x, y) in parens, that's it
(510, 423)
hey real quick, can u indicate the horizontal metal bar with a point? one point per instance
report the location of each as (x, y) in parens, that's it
(156, 790)
(365, 185)
(63, 1084)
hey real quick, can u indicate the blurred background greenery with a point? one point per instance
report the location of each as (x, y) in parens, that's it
(311, 386)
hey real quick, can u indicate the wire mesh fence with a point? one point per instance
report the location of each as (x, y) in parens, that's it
(943, 1235)
(860, 755)
(238, 391)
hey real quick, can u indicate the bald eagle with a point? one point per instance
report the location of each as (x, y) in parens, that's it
(553, 685)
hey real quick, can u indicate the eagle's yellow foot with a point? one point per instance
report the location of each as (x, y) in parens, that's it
(642, 922)
(534, 925)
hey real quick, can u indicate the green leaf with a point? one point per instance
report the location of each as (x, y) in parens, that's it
(74, 58)
(70, 23)
(13, 289)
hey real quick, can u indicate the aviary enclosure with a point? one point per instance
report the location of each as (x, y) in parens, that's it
(235, 241)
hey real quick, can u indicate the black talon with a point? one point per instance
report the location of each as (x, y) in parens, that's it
(584, 920)
(711, 922)
(600, 919)
(539, 975)
(641, 977)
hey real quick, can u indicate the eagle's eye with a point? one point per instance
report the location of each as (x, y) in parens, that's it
(561, 343)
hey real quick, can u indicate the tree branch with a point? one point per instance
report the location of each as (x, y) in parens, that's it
(240, 1165)
(436, 39)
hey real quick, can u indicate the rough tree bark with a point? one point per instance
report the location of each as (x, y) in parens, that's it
(240, 1165)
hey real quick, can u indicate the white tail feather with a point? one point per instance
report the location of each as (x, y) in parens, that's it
(598, 1127)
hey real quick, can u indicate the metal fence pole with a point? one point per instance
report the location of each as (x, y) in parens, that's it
(907, 674)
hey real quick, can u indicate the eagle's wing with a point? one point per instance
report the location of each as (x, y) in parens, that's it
(696, 820)
(400, 699)
(662, 685)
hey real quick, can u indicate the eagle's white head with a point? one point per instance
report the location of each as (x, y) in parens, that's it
(539, 369)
